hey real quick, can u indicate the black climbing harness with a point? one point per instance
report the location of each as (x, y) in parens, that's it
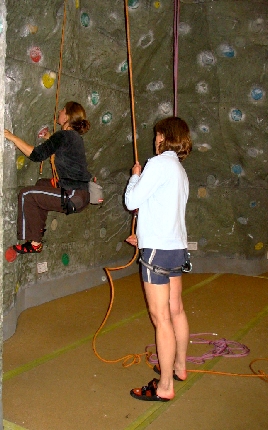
(185, 268)
(66, 203)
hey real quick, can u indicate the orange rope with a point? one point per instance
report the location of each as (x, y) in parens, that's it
(136, 358)
(257, 374)
(131, 84)
(52, 158)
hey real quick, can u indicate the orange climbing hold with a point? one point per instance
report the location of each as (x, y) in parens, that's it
(10, 255)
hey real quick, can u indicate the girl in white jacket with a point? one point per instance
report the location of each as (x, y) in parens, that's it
(160, 194)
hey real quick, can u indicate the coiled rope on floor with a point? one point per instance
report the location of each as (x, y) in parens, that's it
(221, 348)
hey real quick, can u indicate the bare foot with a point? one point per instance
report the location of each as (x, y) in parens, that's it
(167, 392)
(182, 374)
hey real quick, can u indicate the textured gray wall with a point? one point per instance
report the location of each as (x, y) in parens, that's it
(222, 94)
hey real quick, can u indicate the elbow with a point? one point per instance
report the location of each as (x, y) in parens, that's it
(129, 206)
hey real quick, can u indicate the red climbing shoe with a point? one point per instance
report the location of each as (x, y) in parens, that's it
(28, 248)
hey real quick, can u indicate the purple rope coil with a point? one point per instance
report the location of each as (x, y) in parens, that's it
(221, 348)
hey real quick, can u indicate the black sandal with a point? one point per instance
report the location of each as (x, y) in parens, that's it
(158, 371)
(28, 248)
(148, 392)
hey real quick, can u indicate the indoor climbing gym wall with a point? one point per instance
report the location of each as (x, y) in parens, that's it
(221, 82)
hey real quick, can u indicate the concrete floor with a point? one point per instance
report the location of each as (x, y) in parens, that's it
(54, 381)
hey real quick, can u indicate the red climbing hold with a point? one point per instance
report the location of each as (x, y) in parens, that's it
(10, 254)
(35, 54)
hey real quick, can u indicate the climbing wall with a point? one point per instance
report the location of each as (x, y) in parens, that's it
(222, 94)
(94, 73)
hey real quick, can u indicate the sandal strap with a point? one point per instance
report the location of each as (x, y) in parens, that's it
(152, 387)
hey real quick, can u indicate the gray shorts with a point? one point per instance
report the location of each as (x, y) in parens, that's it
(167, 259)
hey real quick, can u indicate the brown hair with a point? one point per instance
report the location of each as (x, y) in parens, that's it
(77, 117)
(176, 136)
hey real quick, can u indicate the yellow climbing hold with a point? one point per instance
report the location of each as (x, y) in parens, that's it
(77, 4)
(20, 162)
(32, 28)
(157, 4)
(258, 246)
(48, 79)
(202, 192)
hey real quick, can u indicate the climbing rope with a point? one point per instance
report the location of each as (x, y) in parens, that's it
(131, 87)
(52, 158)
(222, 348)
(129, 359)
(176, 53)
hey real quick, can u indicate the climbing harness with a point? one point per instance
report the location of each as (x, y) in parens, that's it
(186, 267)
(66, 203)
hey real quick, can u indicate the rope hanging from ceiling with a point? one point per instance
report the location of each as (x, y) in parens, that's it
(55, 176)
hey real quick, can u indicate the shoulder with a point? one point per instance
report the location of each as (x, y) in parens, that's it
(65, 136)
(58, 136)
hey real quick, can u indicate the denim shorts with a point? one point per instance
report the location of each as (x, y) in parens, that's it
(167, 259)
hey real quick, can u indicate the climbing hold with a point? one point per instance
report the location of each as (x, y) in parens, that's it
(237, 169)
(65, 259)
(85, 20)
(35, 54)
(123, 66)
(10, 255)
(257, 93)
(133, 4)
(95, 98)
(202, 192)
(236, 115)
(32, 28)
(20, 162)
(258, 246)
(48, 79)
(42, 132)
(107, 118)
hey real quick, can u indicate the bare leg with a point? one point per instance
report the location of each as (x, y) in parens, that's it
(158, 297)
(180, 326)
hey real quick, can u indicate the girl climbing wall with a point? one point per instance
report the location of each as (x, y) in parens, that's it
(70, 194)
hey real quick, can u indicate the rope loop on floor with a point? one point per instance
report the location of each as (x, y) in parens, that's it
(223, 348)
(129, 359)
